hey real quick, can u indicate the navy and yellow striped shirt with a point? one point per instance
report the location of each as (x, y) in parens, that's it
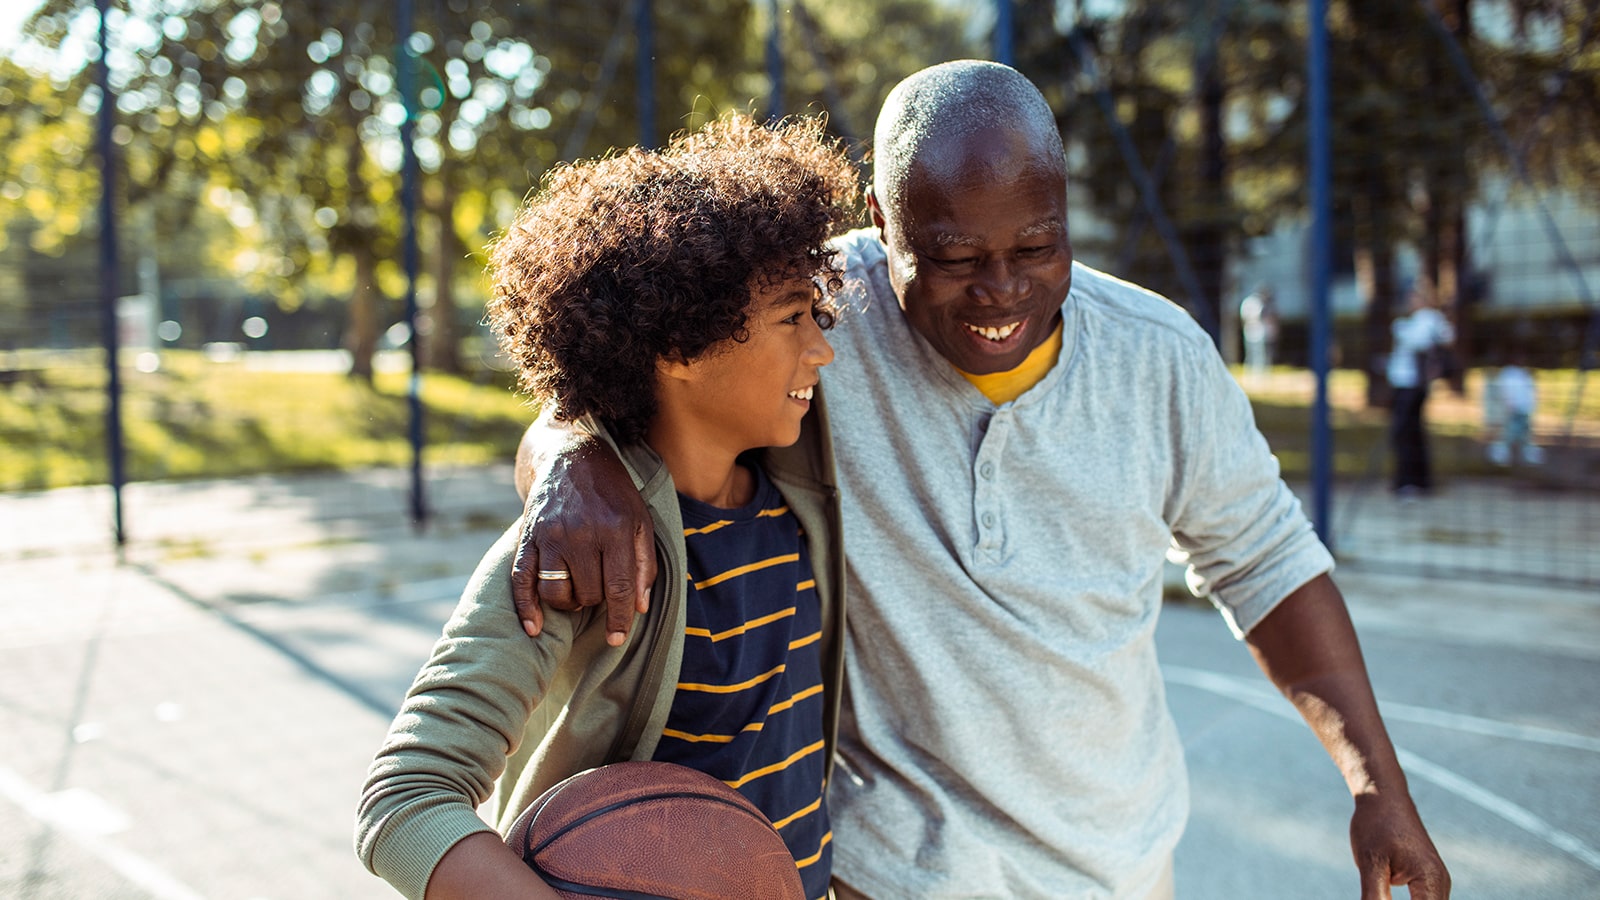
(749, 704)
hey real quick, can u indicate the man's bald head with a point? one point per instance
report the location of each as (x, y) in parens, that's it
(942, 108)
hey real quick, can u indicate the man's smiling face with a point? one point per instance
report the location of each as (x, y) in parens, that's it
(978, 250)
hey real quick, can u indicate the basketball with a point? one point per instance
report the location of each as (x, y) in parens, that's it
(653, 829)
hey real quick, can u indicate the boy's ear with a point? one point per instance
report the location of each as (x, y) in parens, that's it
(673, 366)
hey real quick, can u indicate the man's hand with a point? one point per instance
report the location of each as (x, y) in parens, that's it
(582, 517)
(1392, 847)
(1309, 649)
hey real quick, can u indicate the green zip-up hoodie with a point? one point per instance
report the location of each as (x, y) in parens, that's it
(495, 713)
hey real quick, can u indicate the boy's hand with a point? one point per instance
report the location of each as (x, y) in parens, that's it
(584, 518)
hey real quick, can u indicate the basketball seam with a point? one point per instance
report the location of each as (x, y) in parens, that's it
(587, 890)
(565, 829)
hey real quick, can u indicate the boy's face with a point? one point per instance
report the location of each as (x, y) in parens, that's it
(754, 394)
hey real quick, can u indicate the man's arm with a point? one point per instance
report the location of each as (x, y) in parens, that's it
(582, 515)
(1308, 647)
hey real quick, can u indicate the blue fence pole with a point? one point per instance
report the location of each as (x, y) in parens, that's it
(774, 63)
(1003, 29)
(109, 277)
(644, 28)
(408, 200)
(1321, 263)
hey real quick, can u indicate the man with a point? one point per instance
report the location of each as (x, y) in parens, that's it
(1019, 441)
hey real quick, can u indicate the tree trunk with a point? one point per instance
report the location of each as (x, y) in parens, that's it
(361, 337)
(443, 344)
(1374, 264)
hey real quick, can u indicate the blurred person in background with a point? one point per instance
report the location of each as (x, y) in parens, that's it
(1512, 397)
(1258, 321)
(1422, 340)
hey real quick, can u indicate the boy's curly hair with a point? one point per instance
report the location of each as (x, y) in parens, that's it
(620, 261)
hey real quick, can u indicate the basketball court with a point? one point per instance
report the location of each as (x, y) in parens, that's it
(196, 721)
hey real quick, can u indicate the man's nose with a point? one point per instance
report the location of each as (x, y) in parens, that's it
(999, 281)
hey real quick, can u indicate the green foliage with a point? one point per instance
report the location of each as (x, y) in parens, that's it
(843, 56)
(286, 124)
(260, 138)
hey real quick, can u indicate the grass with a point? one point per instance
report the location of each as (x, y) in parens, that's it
(1282, 401)
(197, 418)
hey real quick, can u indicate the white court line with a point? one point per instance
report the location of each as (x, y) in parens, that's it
(1398, 712)
(1271, 702)
(1533, 734)
(130, 865)
(1498, 805)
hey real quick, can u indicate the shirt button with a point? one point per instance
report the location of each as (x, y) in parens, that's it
(986, 470)
(988, 520)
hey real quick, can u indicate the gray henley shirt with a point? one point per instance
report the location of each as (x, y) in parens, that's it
(1005, 730)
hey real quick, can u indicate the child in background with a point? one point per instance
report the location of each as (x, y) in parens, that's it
(1513, 397)
(672, 300)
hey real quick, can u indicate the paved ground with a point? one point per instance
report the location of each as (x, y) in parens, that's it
(194, 719)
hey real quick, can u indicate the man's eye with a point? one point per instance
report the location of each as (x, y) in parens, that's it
(963, 262)
(1035, 252)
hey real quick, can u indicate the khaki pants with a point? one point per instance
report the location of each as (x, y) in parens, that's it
(1163, 891)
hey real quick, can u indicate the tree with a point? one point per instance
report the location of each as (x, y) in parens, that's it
(844, 56)
(1140, 97)
(295, 115)
(481, 66)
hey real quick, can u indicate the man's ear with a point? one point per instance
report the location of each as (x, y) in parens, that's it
(875, 210)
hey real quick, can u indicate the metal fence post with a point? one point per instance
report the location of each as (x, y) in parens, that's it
(109, 276)
(1321, 263)
(408, 200)
(1003, 28)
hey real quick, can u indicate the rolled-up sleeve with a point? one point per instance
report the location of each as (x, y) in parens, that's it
(1247, 542)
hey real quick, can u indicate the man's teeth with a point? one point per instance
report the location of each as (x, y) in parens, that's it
(995, 334)
(802, 394)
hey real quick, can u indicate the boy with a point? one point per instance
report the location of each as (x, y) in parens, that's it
(671, 297)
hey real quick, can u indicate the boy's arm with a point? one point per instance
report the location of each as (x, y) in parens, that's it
(1308, 647)
(582, 516)
(466, 712)
(481, 865)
